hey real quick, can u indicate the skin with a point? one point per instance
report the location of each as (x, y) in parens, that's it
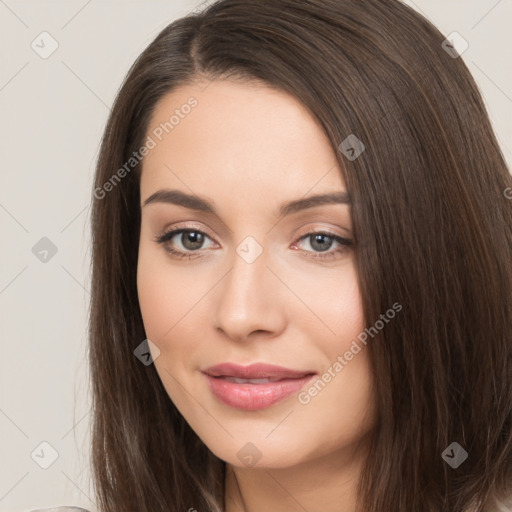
(248, 148)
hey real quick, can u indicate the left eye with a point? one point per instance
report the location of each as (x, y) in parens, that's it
(193, 239)
(317, 241)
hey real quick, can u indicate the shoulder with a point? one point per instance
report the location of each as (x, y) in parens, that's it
(60, 509)
(499, 504)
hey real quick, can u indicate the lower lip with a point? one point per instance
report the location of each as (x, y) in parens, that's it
(252, 397)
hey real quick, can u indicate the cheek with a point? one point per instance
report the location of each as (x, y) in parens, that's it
(344, 306)
(164, 296)
(154, 303)
(330, 303)
(172, 301)
(344, 398)
(159, 300)
(165, 302)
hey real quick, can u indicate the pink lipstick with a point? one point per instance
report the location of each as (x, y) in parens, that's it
(256, 386)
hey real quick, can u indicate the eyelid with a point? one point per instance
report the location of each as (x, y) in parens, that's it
(186, 227)
(305, 230)
(308, 229)
(322, 256)
(343, 242)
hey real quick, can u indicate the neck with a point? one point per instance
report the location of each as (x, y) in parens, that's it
(327, 484)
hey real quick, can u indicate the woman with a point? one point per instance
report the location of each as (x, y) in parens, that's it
(302, 270)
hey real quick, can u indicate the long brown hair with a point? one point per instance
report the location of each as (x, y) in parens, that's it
(432, 228)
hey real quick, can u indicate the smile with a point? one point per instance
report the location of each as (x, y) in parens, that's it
(254, 387)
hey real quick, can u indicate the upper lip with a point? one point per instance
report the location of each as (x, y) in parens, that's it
(255, 371)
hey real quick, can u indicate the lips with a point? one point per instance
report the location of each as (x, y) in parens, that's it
(256, 386)
(255, 371)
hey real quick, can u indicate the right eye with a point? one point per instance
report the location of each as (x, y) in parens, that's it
(191, 241)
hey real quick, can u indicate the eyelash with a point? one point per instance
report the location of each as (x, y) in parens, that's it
(345, 243)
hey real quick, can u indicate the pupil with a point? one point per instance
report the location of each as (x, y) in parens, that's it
(192, 240)
(323, 245)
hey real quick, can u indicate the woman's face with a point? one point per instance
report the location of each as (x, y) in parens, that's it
(255, 285)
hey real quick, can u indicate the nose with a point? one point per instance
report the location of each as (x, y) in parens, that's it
(249, 301)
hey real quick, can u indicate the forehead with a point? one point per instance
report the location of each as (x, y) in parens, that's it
(249, 137)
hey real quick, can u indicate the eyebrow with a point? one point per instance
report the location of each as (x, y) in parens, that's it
(194, 202)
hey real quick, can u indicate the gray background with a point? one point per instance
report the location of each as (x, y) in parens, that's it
(52, 113)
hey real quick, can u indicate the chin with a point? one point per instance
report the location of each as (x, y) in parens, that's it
(260, 453)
